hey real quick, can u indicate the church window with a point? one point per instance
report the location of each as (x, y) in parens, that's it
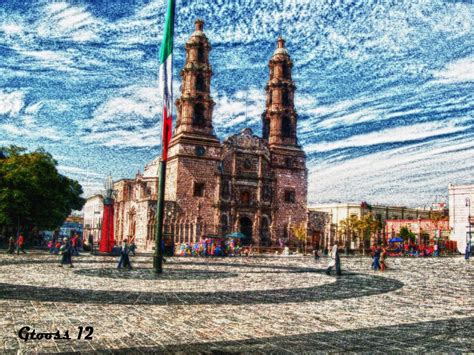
(290, 196)
(286, 127)
(201, 56)
(247, 164)
(245, 198)
(199, 189)
(285, 98)
(198, 118)
(200, 82)
(288, 163)
(284, 233)
(267, 193)
(225, 190)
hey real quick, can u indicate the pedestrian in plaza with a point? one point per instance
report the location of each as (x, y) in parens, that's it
(436, 250)
(74, 245)
(383, 257)
(133, 247)
(376, 259)
(20, 245)
(91, 242)
(11, 245)
(124, 256)
(335, 261)
(467, 252)
(66, 253)
(316, 254)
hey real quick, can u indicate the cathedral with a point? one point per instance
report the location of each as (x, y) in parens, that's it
(254, 185)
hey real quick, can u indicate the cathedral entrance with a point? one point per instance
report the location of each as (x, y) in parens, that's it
(246, 228)
(265, 233)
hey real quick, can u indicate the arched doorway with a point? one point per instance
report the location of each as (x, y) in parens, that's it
(246, 228)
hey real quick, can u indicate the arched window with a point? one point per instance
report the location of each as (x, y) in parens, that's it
(285, 98)
(200, 82)
(286, 127)
(201, 56)
(198, 118)
(284, 233)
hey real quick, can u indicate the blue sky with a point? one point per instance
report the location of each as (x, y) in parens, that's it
(385, 89)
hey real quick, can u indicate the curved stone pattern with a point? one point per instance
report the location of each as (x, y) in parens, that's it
(352, 285)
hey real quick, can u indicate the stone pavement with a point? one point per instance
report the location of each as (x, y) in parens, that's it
(246, 305)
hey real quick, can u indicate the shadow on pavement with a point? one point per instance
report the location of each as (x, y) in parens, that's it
(443, 336)
(347, 286)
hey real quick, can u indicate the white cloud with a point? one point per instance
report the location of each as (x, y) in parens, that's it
(392, 135)
(459, 71)
(33, 109)
(12, 28)
(28, 132)
(11, 103)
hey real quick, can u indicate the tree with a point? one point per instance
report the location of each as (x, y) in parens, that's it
(300, 233)
(32, 192)
(407, 235)
(348, 228)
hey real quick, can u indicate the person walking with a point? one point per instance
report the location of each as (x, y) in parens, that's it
(133, 247)
(124, 256)
(383, 257)
(376, 259)
(66, 253)
(11, 245)
(335, 261)
(20, 245)
(90, 241)
(74, 245)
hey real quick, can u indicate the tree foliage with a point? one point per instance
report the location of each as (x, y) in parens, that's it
(32, 192)
(407, 235)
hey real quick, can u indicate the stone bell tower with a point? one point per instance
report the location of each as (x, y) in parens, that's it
(287, 158)
(194, 150)
(194, 107)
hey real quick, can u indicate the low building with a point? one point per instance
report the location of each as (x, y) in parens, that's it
(461, 207)
(93, 212)
(135, 207)
(321, 231)
(342, 211)
(426, 230)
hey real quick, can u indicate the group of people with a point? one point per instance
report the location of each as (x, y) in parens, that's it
(55, 245)
(211, 247)
(17, 245)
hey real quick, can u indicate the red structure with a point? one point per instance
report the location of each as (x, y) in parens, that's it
(426, 230)
(106, 244)
(107, 236)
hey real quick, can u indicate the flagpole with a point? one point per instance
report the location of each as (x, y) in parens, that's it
(166, 81)
(158, 255)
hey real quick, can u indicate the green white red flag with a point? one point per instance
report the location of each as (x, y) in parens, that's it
(166, 78)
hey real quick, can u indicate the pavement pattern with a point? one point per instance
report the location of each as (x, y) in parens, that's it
(237, 305)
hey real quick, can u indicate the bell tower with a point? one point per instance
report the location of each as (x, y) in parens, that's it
(194, 107)
(279, 119)
(194, 152)
(288, 160)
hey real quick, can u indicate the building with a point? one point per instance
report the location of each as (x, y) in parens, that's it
(135, 207)
(93, 212)
(461, 207)
(426, 230)
(255, 185)
(340, 211)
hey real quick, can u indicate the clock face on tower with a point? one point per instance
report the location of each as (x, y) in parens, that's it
(200, 150)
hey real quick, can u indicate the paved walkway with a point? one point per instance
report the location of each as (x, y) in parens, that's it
(274, 304)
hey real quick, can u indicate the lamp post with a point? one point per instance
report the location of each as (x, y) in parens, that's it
(468, 239)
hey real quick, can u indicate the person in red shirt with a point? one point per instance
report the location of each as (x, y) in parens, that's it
(74, 241)
(20, 245)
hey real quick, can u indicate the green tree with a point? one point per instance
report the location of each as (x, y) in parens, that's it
(348, 228)
(33, 195)
(407, 235)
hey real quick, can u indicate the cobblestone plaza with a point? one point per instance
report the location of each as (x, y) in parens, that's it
(254, 304)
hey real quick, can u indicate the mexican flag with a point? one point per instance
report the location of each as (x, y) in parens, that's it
(166, 77)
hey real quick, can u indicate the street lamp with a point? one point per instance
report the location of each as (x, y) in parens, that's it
(468, 239)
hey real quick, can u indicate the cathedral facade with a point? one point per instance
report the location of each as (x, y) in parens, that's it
(254, 185)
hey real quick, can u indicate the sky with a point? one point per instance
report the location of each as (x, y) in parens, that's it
(385, 89)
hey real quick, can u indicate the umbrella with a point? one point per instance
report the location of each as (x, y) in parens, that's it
(395, 240)
(236, 235)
